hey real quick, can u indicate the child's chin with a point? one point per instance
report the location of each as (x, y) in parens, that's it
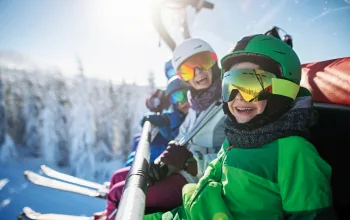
(203, 85)
(242, 120)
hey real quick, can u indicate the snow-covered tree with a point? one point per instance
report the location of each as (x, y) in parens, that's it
(7, 147)
(82, 128)
(13, 86)
(31, 108)
(3, 116)
(53, 124)
(151, 82)
(83, 123)
(125, 112)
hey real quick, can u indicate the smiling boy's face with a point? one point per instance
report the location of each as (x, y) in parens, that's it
(245, 111)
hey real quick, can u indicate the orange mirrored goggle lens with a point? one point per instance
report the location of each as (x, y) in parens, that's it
(203, 60)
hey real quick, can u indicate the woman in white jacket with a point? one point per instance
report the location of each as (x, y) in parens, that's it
(196, 64)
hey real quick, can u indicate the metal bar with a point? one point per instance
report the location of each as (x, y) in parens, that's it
(215, 108)
(158, 24)
(331, 106)
(133, 201)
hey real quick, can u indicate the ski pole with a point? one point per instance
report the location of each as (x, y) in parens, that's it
(214, 109)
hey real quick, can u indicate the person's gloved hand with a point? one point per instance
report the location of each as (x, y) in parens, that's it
(176, 155)
(157, 101)
(157, 172)
(156, 119)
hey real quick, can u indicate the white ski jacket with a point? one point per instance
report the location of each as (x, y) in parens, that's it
(206, 143)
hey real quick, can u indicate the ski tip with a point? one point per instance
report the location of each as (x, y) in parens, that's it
(27, 214)
(43, 166)
(21, 216)
(27, 209)
(30, 175)
(26, 173)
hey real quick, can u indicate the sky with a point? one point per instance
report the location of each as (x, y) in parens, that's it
(115, 39)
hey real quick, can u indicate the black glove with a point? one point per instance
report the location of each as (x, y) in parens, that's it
(157, 172)
(157, 101)
(176, 155)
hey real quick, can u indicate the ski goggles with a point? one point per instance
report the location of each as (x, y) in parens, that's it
(179, 96)
(203, 60)
(254, 84)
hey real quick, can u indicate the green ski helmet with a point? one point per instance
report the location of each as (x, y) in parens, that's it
(276, 57)
(267, 50)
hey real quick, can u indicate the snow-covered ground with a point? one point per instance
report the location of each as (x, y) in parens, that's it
(16, 192)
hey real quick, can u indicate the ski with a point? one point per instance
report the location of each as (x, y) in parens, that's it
(72, 179)
(57, 184)
(30, 214)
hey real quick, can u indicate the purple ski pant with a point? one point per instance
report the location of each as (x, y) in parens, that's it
(163, 194)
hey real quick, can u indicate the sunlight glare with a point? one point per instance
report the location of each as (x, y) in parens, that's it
(117, 16)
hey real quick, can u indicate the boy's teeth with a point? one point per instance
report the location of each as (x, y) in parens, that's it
(244, 109)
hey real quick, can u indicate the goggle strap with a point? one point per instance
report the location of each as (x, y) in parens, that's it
(214, 56)
(179, 75)
(285, 88)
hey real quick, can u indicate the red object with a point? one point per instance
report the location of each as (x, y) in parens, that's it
(328, 81)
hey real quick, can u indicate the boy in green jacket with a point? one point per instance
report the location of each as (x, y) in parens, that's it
(266, 168)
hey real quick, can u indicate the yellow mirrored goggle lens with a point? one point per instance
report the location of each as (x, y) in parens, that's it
(249, 82)
(252, 84)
